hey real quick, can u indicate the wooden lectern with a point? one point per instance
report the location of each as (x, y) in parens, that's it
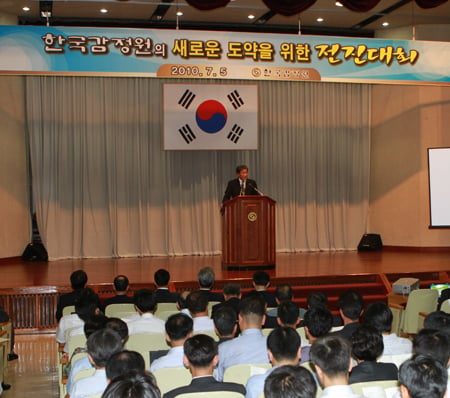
(248, 233)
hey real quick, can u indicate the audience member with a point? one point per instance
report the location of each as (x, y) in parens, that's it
(197, 304)
(124, 362)
(133, 385)
(332, 361)
(288, 314)
(443, 296)
(438, 320)
(367, 346)
(147, 322)
(319, 299)
(261, 282)
(433, 343)
(250, 346)
(206, 279)
(423, 377)
(283, 348)
(351, 305)
(225, 323)
(200, 356)
(232, 295)
(101, 345)
(379, 316)
(290, 382)
(78, 281)
(162, 293)
(121, 285)
(318, 321)
(283, 293)
(179, 327)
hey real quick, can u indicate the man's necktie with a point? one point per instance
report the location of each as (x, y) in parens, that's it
(242, 188)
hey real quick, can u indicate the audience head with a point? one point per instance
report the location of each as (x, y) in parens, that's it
(261, 278)
(351, 304)
(206, 277)
(288, 314)
(121, 283)
(283, 293)
(179, 326)
(200, 351)
(332, 355)
(290, 382)
(444, 295)
(438, 320)
(422, 377)
(119, 326)
(433, 343)
(78, 279)
(225, 321)
(87, 304)
(93, 323)
(251, 310)
(197, 302)
(283, 344)
(124, 362)
(367, 343)
(133, 385)
(317, 299)
(379, 316)
(161, 277)
(145, 300)
(232, 290)
(102, 344)
(318, 321)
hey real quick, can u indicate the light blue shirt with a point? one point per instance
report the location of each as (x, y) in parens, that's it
(87, 386)
(249, 347)
(173, 359)
(81, 364)
(255, 384)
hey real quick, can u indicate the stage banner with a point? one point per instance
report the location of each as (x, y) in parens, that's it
(220, 55)
(210, 116)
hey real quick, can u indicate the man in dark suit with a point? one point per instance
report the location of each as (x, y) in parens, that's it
(232, 295)
(162, 293)
(206, 278)
(121, 284)
(351, 306)
(200, 356)
(242, 185)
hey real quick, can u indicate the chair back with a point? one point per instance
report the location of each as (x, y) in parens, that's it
(241, 373)
(445, 306)
(146, 342)
(212, 394)
(170, 378)
(376, 389)
(6, 331)
(421, 300)
(164, 315)
(75, 341)
(210, 305)
(70, 309)
(83, 374)
(210, 333)
(266, 331)
(120, 310)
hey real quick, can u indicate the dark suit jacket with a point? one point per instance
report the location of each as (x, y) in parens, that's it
(164, 296)
(233, 302)
(234, 189)
(212, 296)
(373, 371)
(203, 384)
(68, 299)
(118, 299)
(269, 298)
(347, 331)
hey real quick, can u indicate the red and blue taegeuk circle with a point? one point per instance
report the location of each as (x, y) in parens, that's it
(211, 116)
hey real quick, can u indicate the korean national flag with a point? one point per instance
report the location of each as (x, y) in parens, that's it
(210, 116)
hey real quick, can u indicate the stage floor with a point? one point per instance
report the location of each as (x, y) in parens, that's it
(18, 273)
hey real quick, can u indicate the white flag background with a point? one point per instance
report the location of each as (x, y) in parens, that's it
(210, 116)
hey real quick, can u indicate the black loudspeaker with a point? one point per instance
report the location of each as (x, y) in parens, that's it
(35, 252)
(370, 242)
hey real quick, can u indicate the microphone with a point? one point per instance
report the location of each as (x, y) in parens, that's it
(256, 189)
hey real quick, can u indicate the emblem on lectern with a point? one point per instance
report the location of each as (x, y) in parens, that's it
(252, 216)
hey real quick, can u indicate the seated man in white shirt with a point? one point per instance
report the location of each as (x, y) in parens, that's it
(331, 356)
(197, 304)
(146, 322)
(85, 307)
(178, 330)
(101, 345)
(379, 316)
(290, 382)
(250, 346)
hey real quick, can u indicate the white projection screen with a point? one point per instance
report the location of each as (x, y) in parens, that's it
(439, 183)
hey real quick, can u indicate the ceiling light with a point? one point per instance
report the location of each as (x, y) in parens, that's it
(385, 24)
(338, 4)
(320, 19)
(251, 16)
(103, 10)
(26, 9)
(179, 13)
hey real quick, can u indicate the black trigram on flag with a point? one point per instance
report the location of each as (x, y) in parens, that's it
(187, 133)
(235, 133)
(186, 99)
(235, 98)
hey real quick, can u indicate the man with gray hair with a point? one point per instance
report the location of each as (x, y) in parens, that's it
(206, 279)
